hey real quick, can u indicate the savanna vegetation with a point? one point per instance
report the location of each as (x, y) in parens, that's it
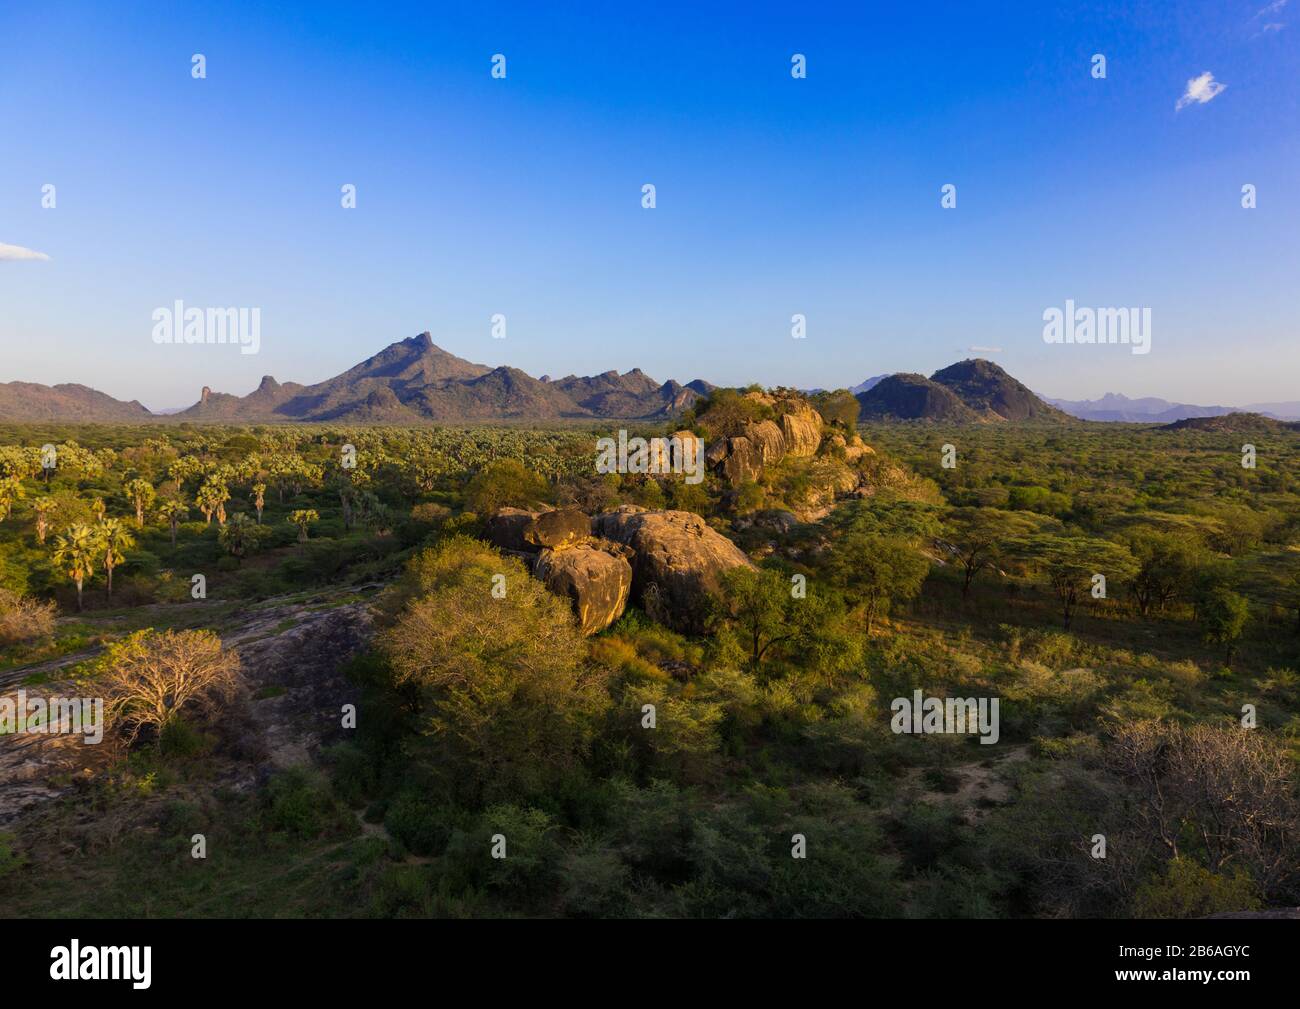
(1130, 595)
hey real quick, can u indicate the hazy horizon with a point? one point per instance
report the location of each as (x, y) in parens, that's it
(775, 196)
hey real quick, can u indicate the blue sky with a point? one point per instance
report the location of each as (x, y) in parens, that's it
(775, 196)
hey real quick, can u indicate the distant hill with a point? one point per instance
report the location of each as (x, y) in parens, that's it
(1151, 409)
(967, 392)
(908, 396)
(988, 390)
(415, 380)
(29, 401)
(1233, 423)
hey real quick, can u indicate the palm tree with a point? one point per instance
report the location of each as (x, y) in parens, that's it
(173, 512)
(114, 537)
(211, 499)
(76, 554)
(240, 536)
(11, 489)
(302, 518)
(42, 506)
(259, 499)
(141, 493)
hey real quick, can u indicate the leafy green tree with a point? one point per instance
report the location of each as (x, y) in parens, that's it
(1222, 615)
(506, 699)
(877, 572)
(1071, 561)
(765, 611)
(76, 555)
(840, 407)
(504, 484)
(1167, 564)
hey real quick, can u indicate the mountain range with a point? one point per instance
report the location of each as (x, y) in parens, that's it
(415, 381)
(409, 382)
(1149, 409)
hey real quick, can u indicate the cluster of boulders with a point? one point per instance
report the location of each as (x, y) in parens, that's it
(670, 562)
(798, 432)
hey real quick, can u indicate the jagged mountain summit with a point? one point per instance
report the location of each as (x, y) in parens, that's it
(415, 381)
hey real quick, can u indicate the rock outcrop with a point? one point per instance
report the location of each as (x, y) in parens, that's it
(801, 426)
(596, 581)
(505, 529)
(766, 434)
(735, 460)
(560, 528)
(678, 565)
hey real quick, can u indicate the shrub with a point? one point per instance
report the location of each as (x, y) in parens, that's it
(23, 619)
(151, 676)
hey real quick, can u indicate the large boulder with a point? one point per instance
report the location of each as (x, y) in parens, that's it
(559, 528)
(597, 582)
(686, 449)
(802, 427)
(743, 461)
(767, 436)
(505, 529)
(735, 460)
(678, 565)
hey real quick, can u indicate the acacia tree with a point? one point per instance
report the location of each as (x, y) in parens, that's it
(1167, 564)
(76, 554)
(1222, 614)
(1071, 562)
(877, 572)
(762, 610)
(141, 495)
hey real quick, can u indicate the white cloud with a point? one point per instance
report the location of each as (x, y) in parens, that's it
(1272, 8)
(16, 252)
(1200, 90)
